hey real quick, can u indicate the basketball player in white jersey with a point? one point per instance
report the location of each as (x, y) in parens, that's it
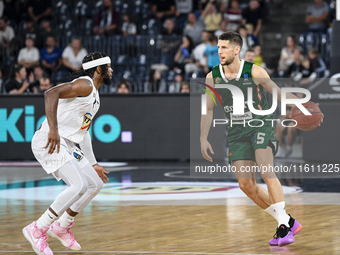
(62, 145)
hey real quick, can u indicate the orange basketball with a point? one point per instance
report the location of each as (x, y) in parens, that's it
(307, 122)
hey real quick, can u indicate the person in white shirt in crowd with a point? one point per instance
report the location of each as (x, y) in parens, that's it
(6, 36)
(287, 55)
(129, 27)
(200, 60)
(29, 56)
(243, 33)
(73, 54)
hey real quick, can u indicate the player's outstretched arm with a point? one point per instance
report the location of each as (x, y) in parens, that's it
(81, 87)
(206, 121)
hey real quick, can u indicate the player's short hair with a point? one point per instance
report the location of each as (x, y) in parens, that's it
(89, 72)
(250, 50)
(232, 37)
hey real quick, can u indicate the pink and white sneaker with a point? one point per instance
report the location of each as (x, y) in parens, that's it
(38, 238)
(64, 235)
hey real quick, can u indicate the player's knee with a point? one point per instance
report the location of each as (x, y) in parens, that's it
(95, 186)
(83, 188)
(99, 186)
(247, 186)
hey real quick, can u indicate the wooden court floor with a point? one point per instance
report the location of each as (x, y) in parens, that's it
(178, 229)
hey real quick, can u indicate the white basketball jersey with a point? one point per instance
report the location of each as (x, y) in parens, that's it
(74, 115)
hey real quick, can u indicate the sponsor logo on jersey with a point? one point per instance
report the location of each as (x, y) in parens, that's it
(246, 81)
(218, 80)
(86, 121)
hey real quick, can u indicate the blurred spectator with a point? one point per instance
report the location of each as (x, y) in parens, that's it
(129, 27)
(73, 55)
(249, 56)
(107, 22)
(9, 10)
(50, 56)
(2, 7)
(21, 7)
(212, 18)
(183, 7)
(155, 83)
(38, 73)
(183, 54)
(295, 68)
(44, 84)
(223, 28)
(287, 54)
(211, 53)
(259, 61)
(233, 15)
(123, 87)
(317, 15)
(29, 31)
(307, 74)
(194, 28)
(163, 9)
(6, 36)
(317, 63)
(185, 87)
(253, 15)
(175, 85)
(28, 56)
(198, 55)
(169, 27)
(38, 9)
(17, 83)
(245, 46)
(46, 31)
(252, 39)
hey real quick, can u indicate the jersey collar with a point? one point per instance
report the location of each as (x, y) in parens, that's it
(238, 75)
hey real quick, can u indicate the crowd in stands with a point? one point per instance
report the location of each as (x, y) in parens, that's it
(41, 41)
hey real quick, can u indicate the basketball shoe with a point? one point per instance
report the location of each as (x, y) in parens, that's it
(295, 227)
(38, 238)
(64, 235)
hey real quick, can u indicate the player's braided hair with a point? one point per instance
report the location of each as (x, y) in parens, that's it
(90, 72)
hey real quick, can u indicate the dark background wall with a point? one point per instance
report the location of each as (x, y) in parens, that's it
(159, 125)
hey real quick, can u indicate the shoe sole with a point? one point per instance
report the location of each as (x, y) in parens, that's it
(26, 235)
(51, 234)
(285, 243)
(296, 231)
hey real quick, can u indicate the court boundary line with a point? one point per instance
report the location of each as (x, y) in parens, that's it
(144, 252)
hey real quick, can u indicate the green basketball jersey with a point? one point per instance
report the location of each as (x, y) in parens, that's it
(243, 81)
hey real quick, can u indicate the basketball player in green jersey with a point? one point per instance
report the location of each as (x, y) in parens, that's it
(249, 146)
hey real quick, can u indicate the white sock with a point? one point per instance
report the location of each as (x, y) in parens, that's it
(278, 211)
(46, 219)
(65, 220)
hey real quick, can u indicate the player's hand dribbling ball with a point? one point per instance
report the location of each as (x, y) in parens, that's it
(307, 122)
